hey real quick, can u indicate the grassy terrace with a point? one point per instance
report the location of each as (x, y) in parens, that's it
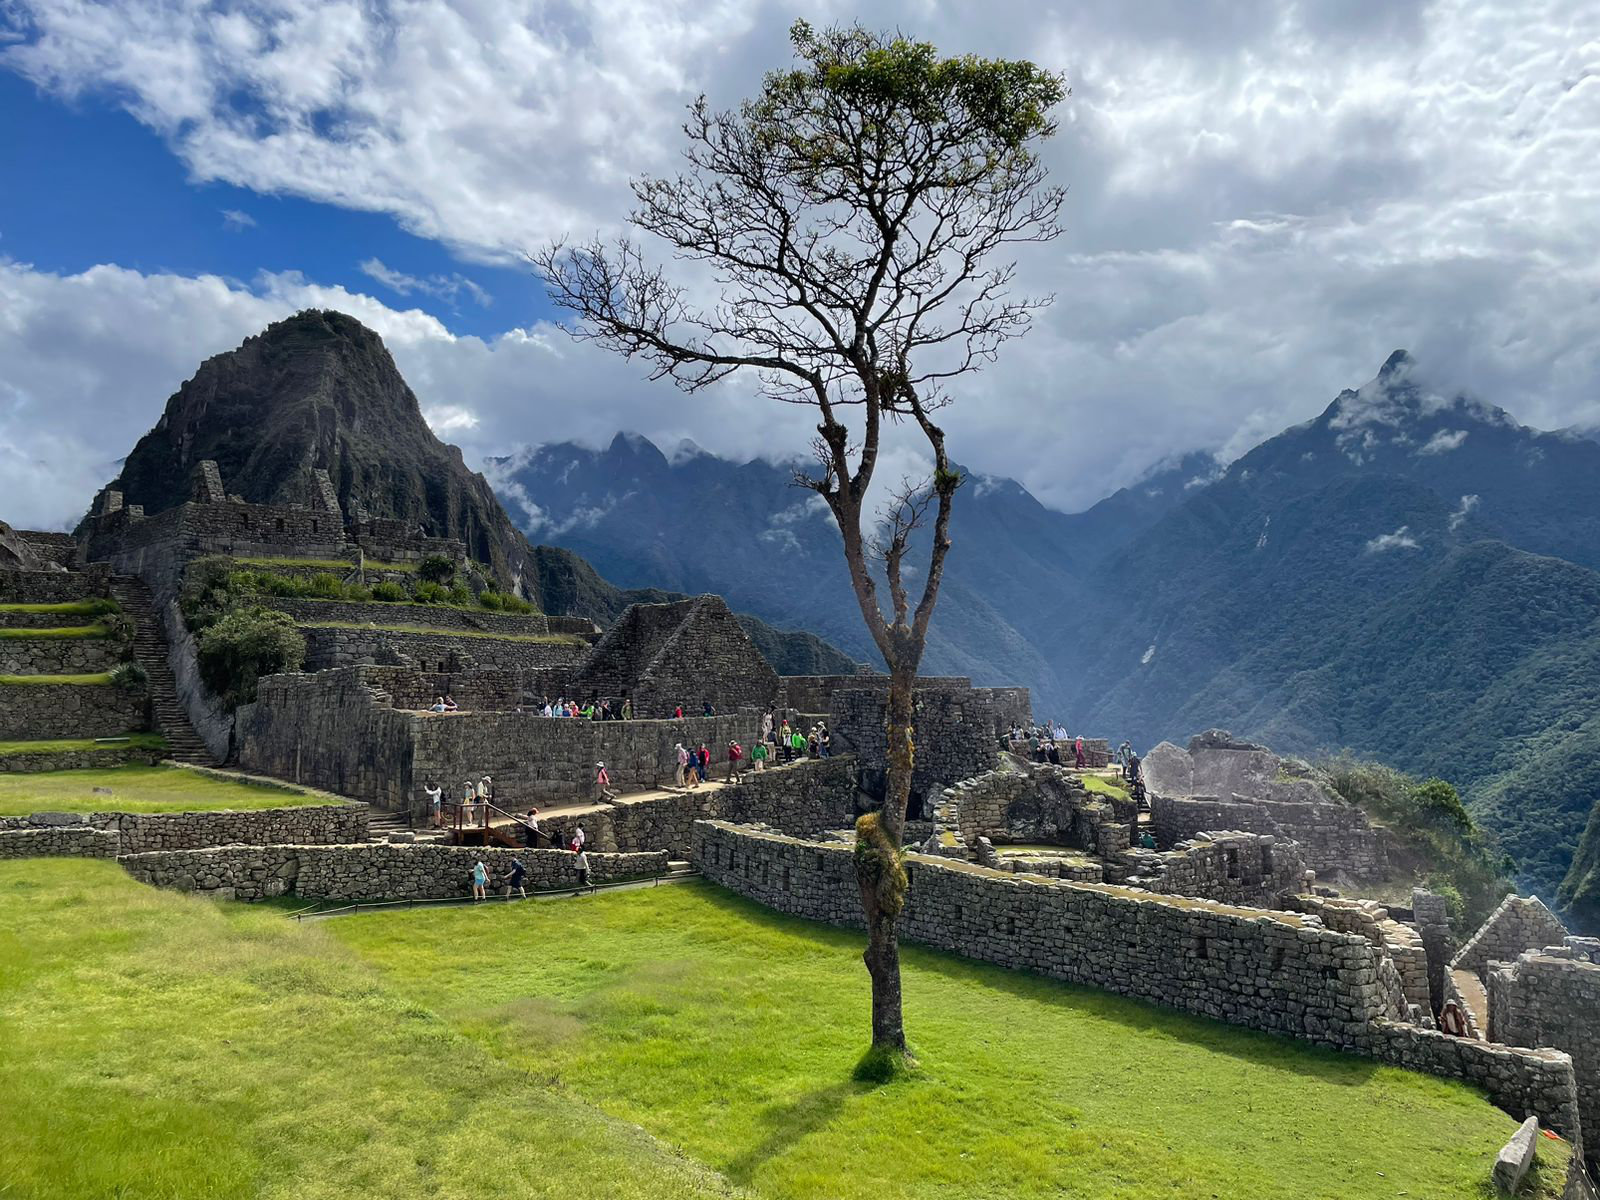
(101, 679)
(328, 564)
(135, 741)
(67, 608)
(56, 631)
(137, 788)
(159, 1045)
(443, 631)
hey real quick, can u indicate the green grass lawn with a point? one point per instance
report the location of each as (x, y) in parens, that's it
(138, 788)
(93, 607)
(329, 564)
(1106, 787)
(136, 741)
(100, 679)
(160, 1045)
(57, 631)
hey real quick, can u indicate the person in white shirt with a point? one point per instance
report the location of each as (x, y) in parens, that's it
(582, 866)
(580, 837)
(435, 796)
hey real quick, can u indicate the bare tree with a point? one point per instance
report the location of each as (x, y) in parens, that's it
(850, 217)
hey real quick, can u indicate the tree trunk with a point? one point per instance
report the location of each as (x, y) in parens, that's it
(882, 905)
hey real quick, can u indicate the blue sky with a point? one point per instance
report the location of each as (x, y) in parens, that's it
(86, 183)
(1267, 197)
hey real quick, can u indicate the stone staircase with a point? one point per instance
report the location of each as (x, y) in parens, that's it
(381, 822)
(150, 652)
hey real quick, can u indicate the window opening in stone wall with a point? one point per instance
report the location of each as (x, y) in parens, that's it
(1277, 958)
(314, 526)
(763, 874)
(786, 879)
(1202, 947)
(1233, 864)
(278, 524)
(244, 520)
(820, 865)
(1266, 860)
(1011, 926)
(960, 914)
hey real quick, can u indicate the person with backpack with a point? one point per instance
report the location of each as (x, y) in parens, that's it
(514, 880)
(480, 881)
(602, 782)
(797, 741)
(758, 755)
(735, 760)
(703, 759)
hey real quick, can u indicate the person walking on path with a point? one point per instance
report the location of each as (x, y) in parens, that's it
(1077, 750)
(758, 755)
(735, 761)
(824, 742)
(798, 741)
(480, 881)
(582, 866)
(469, 793)
(514, 881)
(627, 708)
(530, 829)
(704, 761)
(602, 782)
(681, 778)
(435, 805)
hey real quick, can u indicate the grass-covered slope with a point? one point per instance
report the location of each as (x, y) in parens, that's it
(163, 1046)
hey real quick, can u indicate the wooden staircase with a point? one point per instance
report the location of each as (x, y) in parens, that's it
(150, 652)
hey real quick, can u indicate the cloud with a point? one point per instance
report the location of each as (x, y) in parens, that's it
(446, 287)
(1444, 441)
(1267, 198)
(1468, 505)
(237, 220)
(1400, 539)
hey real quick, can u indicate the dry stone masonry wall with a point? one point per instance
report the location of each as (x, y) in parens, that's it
(1518, 924)
(1270, 971)
(61, 710)
(58, 655)
(57, 841)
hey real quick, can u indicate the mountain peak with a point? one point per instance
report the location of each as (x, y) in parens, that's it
(1397, 363)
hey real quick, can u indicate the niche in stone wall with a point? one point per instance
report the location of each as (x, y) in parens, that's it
(786, 878)
(1233, 863)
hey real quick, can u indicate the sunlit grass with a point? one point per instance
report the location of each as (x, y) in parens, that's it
(141, 788)
(56, 631)
(98, 679)
(134, 741)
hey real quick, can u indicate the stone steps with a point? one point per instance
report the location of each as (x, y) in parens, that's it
(150, 652)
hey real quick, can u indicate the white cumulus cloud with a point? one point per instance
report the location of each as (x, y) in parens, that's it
(1400, 539)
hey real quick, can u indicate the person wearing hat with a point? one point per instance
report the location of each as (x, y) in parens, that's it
(468, 794)
(683, 765)
(735, 760)
(602, 782)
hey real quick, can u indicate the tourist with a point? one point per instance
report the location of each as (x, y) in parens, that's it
(797, 742)
(582, 866)
(530, 829)
(758, 755)
(766, 725)
(627, 708)
(709, 711)
(1452, 1019)
(435, 804)
(602, 782)
(449, 704)
(1146, 842)
(1077, 753)
(812, 741)
(703, 763)
(785, 741)
(772, 746)
(485, 798)
(579, 836)
(437, 705)
(469, 793)
(824, 742)
(735, 760)
(515, 879)
(678, 712)
(480, 881)
(683, 765)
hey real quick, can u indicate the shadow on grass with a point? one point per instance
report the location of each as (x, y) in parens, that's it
(1280, 1051)
(790, 1123)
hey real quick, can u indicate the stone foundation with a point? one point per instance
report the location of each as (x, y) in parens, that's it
(60, 841)
(35, 711)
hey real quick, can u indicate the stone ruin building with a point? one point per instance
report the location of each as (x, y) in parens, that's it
(1028, 865)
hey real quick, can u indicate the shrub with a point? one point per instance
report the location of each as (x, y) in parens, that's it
(357, 593)
(432, 593)
(491, 600)
(389, 592)
(1439, 803)
(515, 604)
(460, 595)
(325, 586)
(244, 645)
(118, 627)
(129, 676)
(436, 568)
(207, 592)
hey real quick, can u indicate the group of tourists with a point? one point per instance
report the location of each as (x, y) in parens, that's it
(1046, 743)
(474, 804)
(515, 878)
(444, 704)
(589, 710)
(787, 742)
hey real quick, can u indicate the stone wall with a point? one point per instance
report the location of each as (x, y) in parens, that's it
(1518, 924)
(1369, 919)
(1236, 868)
(815, 693)
(58, 655)
(53, 587)
(1041, 803)
(58, 548)
(58, 841)
(956, 731)
(62, 710)
(433, 616)
(136, 833)
(1552, 998)
(1269, 971)
(101, 757)
(375, 871)
(1334, 836)
(327, 648)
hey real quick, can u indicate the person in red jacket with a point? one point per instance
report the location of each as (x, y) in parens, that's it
(678, 712)
(705, 763)
(735, 761)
